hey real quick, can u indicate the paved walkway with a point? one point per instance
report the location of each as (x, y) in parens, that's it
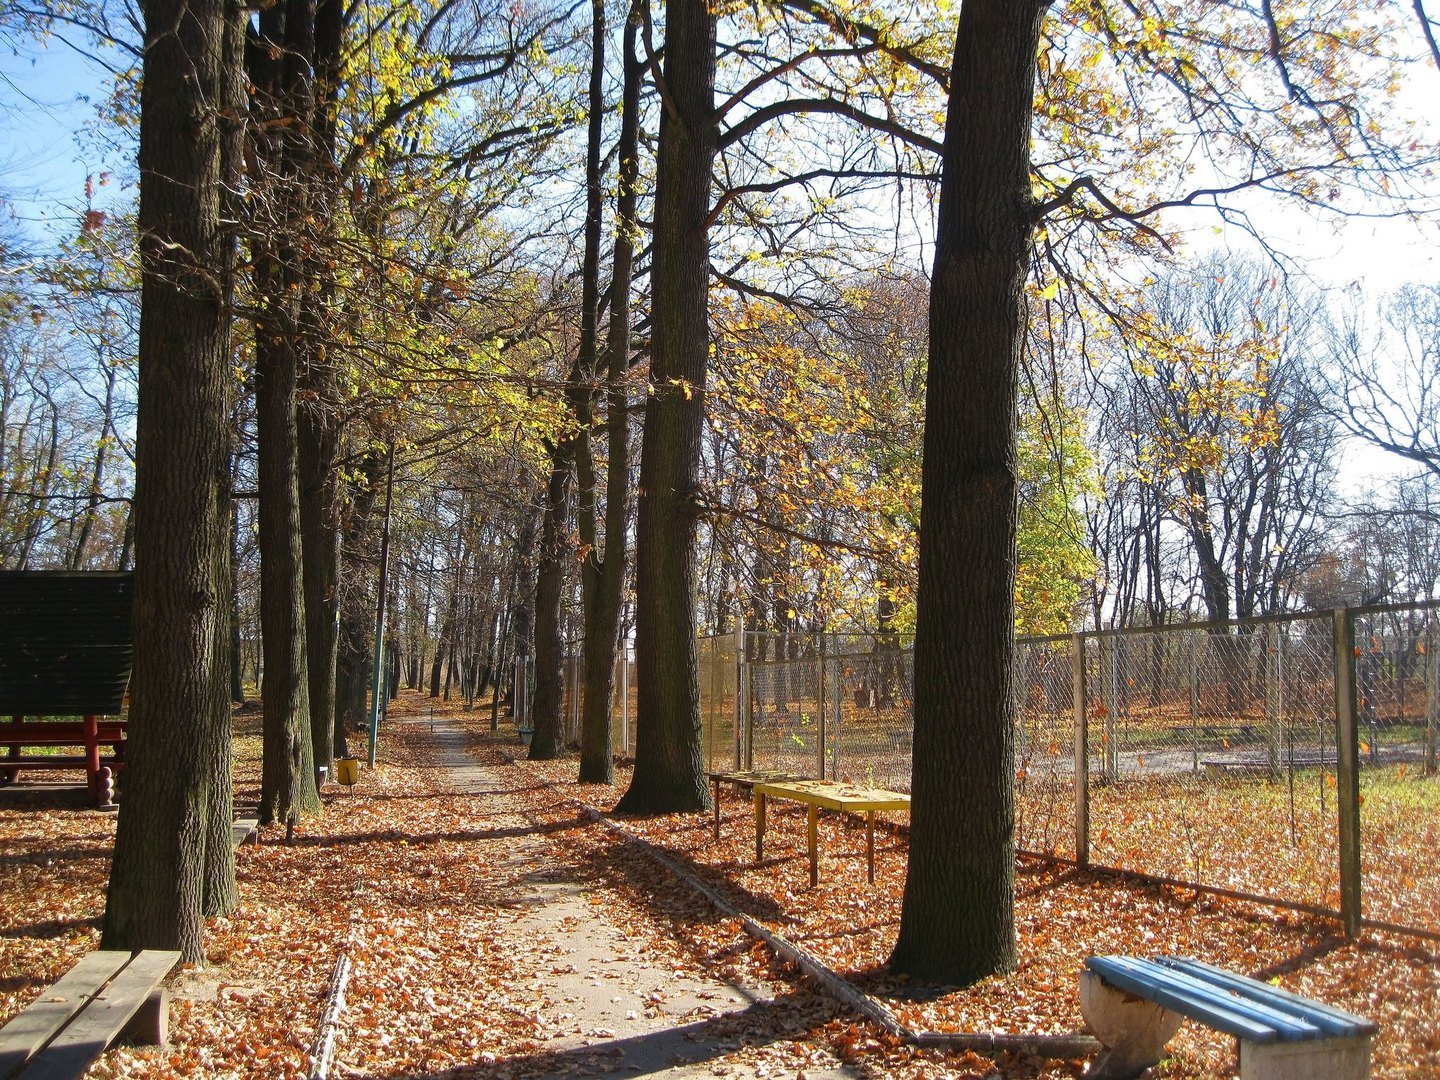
(625, 1015)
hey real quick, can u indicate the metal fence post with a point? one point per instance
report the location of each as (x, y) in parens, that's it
(739, 686)
(820, 710)
(625, 695)
(1273, 705)
(1432, 703)
(1082, 752)
(1347, 778)
(746, 711)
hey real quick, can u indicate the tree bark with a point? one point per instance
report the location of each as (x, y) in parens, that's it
(957, 918)
(281, 71)
(318, 444)
(604, 575)
(547, 740)
(669, 768)
(317, 419)
(164, 874)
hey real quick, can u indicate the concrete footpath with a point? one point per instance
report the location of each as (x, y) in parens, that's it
(626, 1014)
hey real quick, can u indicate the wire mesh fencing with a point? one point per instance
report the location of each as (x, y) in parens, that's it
(1210, 753)
(1211, 757)
(1045, 803)
(1397, 671)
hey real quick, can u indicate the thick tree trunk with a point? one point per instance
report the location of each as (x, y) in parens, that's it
(164, 873)
(957, 919)
(287, 785)
(669, 768)
(548, 739)
(317, 420)
(605, 577)
(320, 551)
(237, 669)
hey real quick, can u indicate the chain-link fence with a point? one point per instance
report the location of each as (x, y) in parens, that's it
(1211, 753)
(1397, 674)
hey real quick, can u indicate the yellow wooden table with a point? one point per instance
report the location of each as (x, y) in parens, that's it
(832, 796)
(745, 778)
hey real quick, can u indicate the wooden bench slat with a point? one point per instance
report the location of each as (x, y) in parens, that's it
(45, 761)
(103, 1019)
(45, 729)
(29, 1030)
(1336, 1023)
(243, 829)
(1200, 1001)
(835, 796)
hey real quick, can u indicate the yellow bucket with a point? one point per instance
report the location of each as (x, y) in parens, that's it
(347, 770)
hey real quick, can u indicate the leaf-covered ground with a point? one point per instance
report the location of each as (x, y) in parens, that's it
(433, 893)
(1063, 916)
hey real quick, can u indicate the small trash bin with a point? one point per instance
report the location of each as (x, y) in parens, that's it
(526, 734)
(347, 771)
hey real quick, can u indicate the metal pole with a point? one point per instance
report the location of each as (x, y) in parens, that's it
(381, 687)
(836, 698)
(625, 696)
(739, 686)
(1082, 752)
(820, 711)
(1347, 779)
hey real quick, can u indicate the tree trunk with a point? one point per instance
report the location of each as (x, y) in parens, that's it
(317, 420)
(548, 738)
(287, 786)
(669, 768)
(957, 919)
(605, 577)
(320, 551)
(237, 669)
(164, 873)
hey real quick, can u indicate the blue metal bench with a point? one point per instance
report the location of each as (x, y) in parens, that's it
(1134, 1006)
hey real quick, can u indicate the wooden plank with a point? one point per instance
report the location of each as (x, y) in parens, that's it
(812, 839)
(833, 796)
(759, 824)
(27, 1032)
(59, 732)
(86, 1038)
(47, 761)
(243, 829)
(748, 777)
(1245, 1018)
(870, 844)
(1334, 1022)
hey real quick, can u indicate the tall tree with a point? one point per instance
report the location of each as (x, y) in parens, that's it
(282, 69)
(317, 418)
(957, 919)
(166, 856)
(604, 569)
(669, 771)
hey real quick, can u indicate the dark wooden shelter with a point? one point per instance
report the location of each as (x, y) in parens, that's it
(65, 652)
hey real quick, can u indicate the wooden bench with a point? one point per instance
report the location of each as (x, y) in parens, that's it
(104, 995)
(745, 778)
(245, 830)
(89, 735)
(1135, 1006)
(832, 796)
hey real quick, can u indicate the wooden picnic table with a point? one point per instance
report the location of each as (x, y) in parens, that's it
(746, 778)
(832, 796)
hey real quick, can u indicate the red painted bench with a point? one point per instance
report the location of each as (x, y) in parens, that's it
(87, 735)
